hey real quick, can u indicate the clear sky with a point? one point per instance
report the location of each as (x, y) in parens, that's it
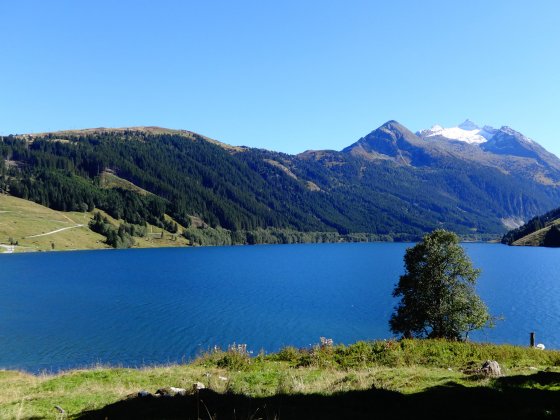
(284, 75)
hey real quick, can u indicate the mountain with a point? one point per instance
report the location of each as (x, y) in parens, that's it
(505, 149)
(508, 142)
(471, 174)
(392, 141)
(392, 184)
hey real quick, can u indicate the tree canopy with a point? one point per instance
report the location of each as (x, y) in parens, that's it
(437, 292)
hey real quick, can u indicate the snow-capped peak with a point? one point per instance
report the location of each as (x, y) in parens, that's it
(467, 132)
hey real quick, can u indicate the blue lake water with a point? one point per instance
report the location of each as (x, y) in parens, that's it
(139, 307)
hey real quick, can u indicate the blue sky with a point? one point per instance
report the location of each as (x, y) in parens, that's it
(287, 76)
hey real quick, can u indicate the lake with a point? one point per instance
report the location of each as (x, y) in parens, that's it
(138, 307)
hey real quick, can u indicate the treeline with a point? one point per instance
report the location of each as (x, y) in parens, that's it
(117, 237)
(65, 191)
(536, 223)
(552, 237)
(222, 237)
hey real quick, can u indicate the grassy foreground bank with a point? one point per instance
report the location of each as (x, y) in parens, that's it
(439, 379)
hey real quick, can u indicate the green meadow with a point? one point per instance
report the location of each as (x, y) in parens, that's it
(435, 378)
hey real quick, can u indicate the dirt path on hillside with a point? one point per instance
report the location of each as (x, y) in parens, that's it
(54, 231)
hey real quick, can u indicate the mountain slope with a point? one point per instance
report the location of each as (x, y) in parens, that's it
(505, 149)
(33, 227)
(390, 184)
(511, 186)
(542, 230)
(395, 142)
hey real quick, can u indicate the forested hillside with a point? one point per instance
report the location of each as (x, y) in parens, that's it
(235, 191)
(243, 195)
(542, 230)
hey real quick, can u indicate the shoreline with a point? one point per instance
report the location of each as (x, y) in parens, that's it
(29, 250)
(250, 355)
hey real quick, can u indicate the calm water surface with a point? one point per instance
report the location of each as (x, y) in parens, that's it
(136, 307)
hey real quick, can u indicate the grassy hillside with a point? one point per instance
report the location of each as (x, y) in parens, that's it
(406, 378)
(542, 230)
(22, 220)
(37, 228)
(108, 179)
(536, 238)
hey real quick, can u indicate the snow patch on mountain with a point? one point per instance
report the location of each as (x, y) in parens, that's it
(517, 134)
(467, 132)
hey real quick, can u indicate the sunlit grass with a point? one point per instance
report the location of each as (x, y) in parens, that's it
(21, 219)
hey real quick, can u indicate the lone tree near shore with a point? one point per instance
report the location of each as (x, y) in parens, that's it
(438, 299)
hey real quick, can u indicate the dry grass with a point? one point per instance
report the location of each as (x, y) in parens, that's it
(20, 219)
(110, 180)
(535, 238)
